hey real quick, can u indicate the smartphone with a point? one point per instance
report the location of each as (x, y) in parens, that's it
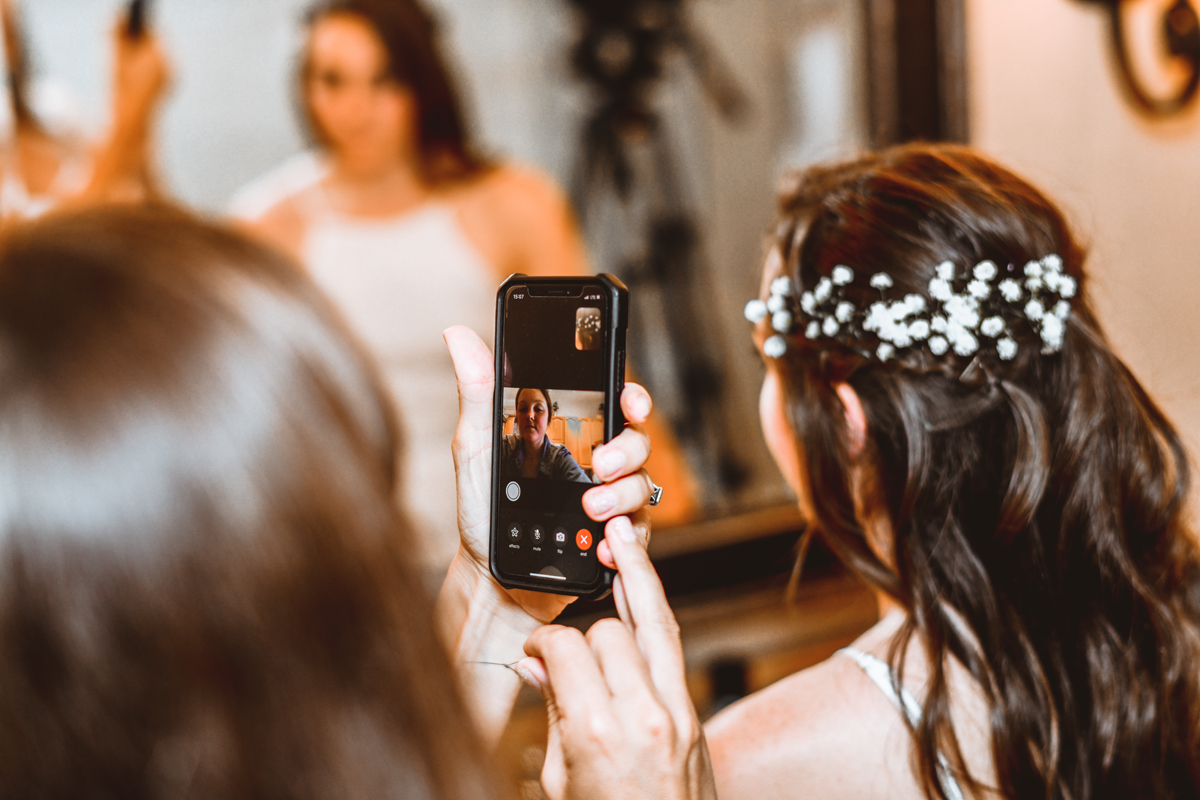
(135, 24)
(560, 369)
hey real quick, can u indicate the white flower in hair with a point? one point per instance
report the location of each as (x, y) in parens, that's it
(823, 289)
(897, 334)
(939, 289)
(1034, 284)
(985, 270)
(1007, 349)
(1052, 332)
(781, 321)
(842, 275)
(844, 311)
(992, 326)
(938, 345)
(963, 310)
(1010, 289)
(1052, 262)
(1052, 280)
(775, 346)
(813, 331)
(881, 280)
(965, 344)
(755, 311)
(1034, 310)
(782, 285)
(939, 323)
(919, 330)
(1062, 309)
(808, 303)
(776, 303)
(830, 326)
(885, 351)
(1033, 269)
(877, 316)
(979, 289)
(1067, 286)
(945, 271)
(914, 303)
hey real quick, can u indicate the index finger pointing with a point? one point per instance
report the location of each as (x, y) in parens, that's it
(653, 622)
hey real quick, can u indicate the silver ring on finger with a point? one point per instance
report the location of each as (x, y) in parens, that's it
(655, 494)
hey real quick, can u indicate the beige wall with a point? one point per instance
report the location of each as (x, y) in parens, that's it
(1046, 101)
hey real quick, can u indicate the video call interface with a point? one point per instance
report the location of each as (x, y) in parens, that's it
(552, 418)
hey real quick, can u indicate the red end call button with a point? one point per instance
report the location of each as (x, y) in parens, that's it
(583, 539)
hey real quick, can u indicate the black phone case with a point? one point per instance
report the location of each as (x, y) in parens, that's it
(614, 418)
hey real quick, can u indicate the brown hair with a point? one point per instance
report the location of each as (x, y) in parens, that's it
(410, 38)
(205, 587)
(1041, 503)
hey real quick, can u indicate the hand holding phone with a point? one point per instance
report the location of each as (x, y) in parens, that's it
(472, 448)
(559, 372)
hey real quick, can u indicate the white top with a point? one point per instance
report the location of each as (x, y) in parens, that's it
(401, 281)
(883, 676)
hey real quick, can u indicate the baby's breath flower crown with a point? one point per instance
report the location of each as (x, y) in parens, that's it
(970, 313)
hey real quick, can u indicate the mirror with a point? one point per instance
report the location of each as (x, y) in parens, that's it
(746, 90)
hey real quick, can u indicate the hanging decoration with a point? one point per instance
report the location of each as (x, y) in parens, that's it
(1180, 41)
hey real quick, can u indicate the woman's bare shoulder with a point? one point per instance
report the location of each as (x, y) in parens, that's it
(522, 219)
(826, 731)
(282, 225)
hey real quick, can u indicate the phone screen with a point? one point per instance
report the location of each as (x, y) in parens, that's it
(551, 411)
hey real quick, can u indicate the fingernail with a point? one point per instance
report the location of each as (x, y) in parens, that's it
(608, 462)
(601, 500)
(527, 676)
(641, 407)
(624, 529)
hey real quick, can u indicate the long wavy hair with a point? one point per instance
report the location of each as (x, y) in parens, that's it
(1037, 506)
(410, 36)
(206, 589)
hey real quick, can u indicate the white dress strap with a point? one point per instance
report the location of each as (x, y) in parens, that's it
(882, 675)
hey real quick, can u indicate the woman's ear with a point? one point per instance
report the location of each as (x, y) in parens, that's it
(856, 418)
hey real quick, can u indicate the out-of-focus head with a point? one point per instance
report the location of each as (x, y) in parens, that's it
(205, 587)
(1031, 494)
(534, 413)
(375, 87)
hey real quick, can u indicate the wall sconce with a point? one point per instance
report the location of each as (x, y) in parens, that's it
(1181, 41)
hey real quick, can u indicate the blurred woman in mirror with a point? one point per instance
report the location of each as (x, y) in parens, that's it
(402, 221)
(41, 168)
(405, 224)
(942, 398)
(206, 589)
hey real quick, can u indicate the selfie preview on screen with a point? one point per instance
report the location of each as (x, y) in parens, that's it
(551, 412)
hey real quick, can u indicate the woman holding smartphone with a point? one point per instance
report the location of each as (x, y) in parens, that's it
(944, 402)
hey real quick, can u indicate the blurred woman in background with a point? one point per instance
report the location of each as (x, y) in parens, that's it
(400, 219)
(205, 588)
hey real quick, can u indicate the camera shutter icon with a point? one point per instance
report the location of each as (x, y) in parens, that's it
(560, 536)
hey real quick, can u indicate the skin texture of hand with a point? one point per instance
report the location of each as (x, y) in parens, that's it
(619, 463)
(622, 724)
